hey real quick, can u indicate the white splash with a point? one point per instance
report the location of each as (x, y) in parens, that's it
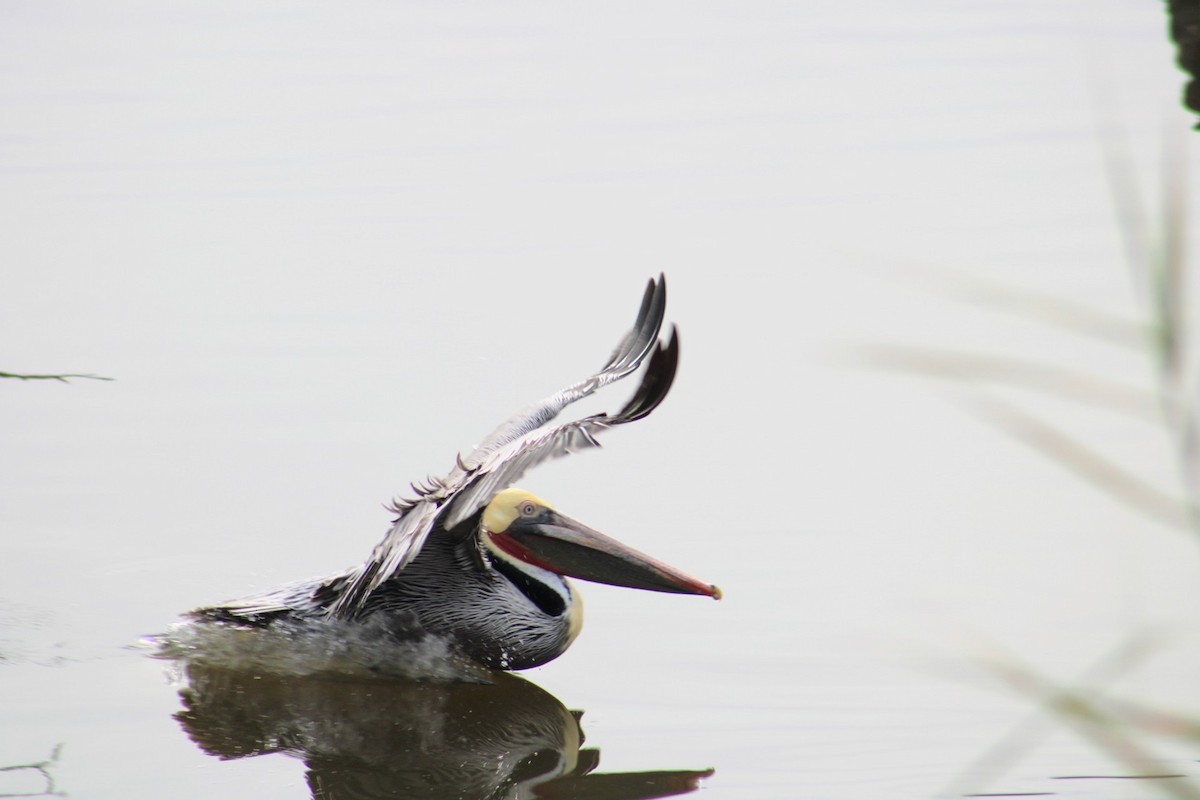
(314, 648)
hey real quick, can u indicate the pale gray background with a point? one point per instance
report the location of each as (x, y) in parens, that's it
(321, 247)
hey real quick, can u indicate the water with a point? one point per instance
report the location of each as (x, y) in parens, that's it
(321, 250)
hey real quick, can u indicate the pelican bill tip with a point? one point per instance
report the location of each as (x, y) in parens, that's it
(715, 591)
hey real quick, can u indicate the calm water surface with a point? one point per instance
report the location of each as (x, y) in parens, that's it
(322, 249)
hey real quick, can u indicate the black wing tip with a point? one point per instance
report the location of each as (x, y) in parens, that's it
(654, 301)
(656, 383)
(640, 339)
(657, 290)
(649, 325)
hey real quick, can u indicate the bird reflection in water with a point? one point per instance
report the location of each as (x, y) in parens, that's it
(470, 578)
(364, 738)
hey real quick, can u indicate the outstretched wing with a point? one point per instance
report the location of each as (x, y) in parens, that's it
(625, 359)
(504, 466)
(512, 448)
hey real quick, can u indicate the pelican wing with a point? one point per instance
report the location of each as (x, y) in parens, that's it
(625, 359)
(520, 443)
(400, 546)
(504, 466)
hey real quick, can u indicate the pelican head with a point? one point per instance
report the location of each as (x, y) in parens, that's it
(522, 529)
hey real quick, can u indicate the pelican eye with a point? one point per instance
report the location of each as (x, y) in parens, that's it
(528, 509)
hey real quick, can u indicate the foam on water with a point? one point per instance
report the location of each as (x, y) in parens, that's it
(355, 650)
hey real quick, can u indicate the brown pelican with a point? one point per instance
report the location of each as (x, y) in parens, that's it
(481, 566)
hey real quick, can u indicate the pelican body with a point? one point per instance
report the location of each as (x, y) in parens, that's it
(483, 566)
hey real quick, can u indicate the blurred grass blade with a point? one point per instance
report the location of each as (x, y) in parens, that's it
(1046, 309)
(1067, 384)
(1124, 190)
(1171, 266)
(988, 766)
(1085, 463)
(63, 378)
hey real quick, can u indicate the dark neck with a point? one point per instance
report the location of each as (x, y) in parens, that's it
(544, 597)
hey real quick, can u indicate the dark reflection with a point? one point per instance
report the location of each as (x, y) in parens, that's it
(394, 739)
(1185, 30)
